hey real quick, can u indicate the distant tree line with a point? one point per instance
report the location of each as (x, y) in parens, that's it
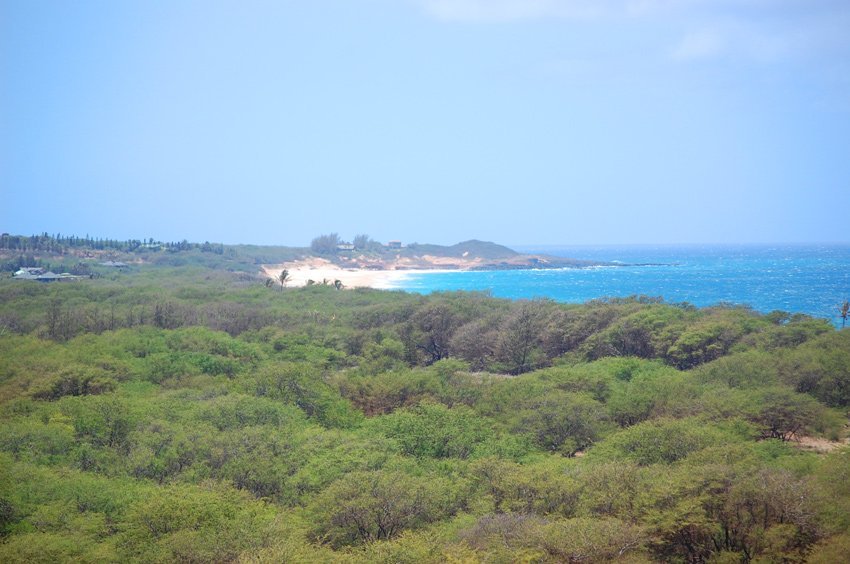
(61, 244)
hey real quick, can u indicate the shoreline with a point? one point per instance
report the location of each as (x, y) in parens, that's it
(319, 270)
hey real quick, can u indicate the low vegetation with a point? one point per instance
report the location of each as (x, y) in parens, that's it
(189, 413)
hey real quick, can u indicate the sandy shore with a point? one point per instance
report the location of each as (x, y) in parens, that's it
(318, 270)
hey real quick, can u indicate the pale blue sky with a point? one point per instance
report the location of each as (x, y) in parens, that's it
(519, 121)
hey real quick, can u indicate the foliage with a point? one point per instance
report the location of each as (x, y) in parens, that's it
(564, 422)
(378, 505)
(325, 244)
(662, 441)
(433, 430)
(186, 413)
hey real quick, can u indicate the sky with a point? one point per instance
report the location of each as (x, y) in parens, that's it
(517, 121)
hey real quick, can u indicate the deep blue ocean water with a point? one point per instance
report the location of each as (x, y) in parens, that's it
(811, 279)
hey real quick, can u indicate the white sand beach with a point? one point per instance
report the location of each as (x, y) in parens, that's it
(319, 270)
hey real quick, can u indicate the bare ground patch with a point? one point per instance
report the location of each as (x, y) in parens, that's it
(819, 445)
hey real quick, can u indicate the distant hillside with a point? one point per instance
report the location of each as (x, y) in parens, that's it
(468, 255)
(471, 249)
(84, 255)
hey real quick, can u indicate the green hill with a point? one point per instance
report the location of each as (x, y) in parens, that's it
(467, 249)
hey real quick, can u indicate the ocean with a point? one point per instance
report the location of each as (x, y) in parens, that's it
(810, 279)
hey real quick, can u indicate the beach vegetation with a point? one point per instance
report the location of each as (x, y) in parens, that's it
(283, 278)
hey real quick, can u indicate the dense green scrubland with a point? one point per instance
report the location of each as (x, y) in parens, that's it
(192, 414)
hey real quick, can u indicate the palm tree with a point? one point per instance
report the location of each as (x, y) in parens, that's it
(844, 312)
(283, 278)
(269, 282)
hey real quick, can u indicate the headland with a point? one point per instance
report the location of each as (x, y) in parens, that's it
(383, 266)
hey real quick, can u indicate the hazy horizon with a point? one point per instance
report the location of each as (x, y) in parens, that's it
(522, 247)
(559, 122)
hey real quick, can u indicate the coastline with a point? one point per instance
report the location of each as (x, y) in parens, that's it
(319, 270)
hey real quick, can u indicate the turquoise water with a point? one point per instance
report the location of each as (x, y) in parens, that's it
(811, 279)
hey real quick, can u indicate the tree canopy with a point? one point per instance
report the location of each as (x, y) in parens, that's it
(180, 414)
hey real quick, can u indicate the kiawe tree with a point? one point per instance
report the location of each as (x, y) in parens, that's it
(427, 334)
(518, 347)
(377, 505)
